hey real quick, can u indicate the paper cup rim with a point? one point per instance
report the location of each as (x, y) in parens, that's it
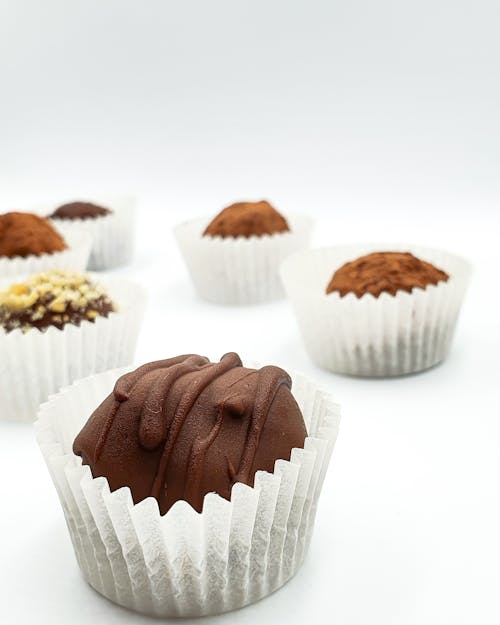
(289, 275)
(80, 220)
(43, 423)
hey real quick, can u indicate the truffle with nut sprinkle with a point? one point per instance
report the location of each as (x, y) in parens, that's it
(53, 298)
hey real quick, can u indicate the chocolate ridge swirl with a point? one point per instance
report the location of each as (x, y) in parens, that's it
(179, 428)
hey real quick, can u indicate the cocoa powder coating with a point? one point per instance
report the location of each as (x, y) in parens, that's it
(384, 272)
(23, 234)
(246, 219)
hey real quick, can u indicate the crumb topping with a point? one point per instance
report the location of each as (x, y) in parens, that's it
(52, 298)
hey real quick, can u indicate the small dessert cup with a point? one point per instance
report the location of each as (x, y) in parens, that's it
(112, 235)
(186, 563)
(239, 270)
(371, 336)
(36, 364)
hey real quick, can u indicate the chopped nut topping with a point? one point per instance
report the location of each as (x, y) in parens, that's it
(52, 298)
(58, 305)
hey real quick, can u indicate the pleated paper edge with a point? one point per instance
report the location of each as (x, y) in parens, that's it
(341, 350)
(112, 236)
(60, 463)
(74, 258)
(28, 352)
(239, 271)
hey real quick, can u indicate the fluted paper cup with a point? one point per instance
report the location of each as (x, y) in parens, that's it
(239, 270)
(34, 365)
(74, 258)
(374, 336)
(112, 235)
(185, 563)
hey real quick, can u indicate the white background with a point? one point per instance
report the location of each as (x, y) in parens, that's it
(378, 119)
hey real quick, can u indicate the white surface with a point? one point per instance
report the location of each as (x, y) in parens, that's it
(378, 118)
(407, 529)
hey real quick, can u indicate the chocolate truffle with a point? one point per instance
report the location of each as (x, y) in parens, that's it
(184, 427)
(80, 210)
(23, 234)
(384, 272)
(53, 298)
(246, 219)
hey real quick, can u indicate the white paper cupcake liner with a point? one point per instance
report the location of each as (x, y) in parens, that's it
(239, 271)
(369, 336)
(37, 364)
(75, 258)
(185, 563)
(112, 235)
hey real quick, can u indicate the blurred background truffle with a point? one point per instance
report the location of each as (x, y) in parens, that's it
(80, 210)
(23, 234)
(246, 219)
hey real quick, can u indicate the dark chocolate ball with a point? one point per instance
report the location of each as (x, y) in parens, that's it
(180, 428)
(80, 210)
(246, 219)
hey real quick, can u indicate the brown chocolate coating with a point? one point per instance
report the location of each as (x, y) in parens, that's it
(246, 219)
(387, 272)
(53, 298)
(23, 234)
(184, 427)
(80, 210)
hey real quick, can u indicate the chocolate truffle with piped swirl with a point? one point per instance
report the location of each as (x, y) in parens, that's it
(180, 428)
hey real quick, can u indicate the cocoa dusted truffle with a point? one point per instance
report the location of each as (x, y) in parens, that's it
(246, 219)
(184, 427)
(53, 298)
(384, 272)
(80, 210)
(23, 234)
